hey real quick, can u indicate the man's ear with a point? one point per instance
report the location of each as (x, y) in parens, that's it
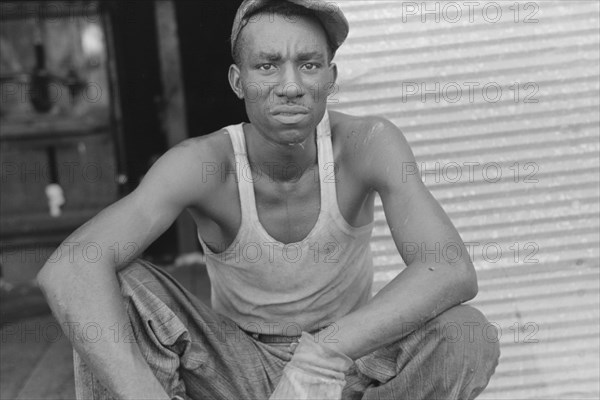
(334, 73)
(235, 81)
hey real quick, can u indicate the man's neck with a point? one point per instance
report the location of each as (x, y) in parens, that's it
(282, 162)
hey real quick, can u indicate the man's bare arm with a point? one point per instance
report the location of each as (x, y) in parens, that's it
(81, 292)
(439, 271)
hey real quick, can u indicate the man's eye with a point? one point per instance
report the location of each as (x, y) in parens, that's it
(310, 66)
(266, 67)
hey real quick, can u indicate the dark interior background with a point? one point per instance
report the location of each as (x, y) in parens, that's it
(203, 28)
(204, 31)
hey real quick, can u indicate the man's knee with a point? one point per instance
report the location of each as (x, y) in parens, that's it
(465, 323)
(471, 341)
(452, 356)
(143, 285)
(136, 273)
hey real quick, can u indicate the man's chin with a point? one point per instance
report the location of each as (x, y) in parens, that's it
(293, 135)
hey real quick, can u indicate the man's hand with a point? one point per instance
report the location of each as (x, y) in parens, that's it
(314, 372)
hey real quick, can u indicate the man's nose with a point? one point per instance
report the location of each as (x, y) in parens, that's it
(290, 84)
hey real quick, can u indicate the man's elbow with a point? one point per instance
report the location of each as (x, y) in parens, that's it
(54, 281)
(52, 277)
(469, 285)
(45, 279)
(471, 289)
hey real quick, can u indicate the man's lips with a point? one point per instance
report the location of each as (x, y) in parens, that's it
(289, 110)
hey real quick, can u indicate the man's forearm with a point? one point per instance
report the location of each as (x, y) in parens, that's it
(419, 293)
(89, 295)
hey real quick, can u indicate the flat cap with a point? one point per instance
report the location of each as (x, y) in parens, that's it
(332, 18)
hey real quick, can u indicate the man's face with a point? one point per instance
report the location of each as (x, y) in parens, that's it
(284, 75)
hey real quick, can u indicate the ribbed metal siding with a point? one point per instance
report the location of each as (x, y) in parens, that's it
(555, 211)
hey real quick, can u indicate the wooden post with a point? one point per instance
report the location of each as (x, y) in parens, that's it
(174, 122)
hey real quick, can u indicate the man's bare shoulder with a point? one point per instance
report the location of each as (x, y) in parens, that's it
(187, 169)
(358, 137)
(213, 147)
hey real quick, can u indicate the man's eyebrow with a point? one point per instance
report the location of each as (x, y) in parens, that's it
(269, 56)
(302, 56)
(310, 55)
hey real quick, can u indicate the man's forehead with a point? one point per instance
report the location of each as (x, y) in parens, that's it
(302, 50)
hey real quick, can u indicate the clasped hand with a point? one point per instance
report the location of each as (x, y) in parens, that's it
(314, 372)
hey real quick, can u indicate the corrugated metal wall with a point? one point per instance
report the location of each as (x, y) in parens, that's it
(517, 117)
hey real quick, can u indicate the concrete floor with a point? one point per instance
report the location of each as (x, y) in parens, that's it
(36, 358)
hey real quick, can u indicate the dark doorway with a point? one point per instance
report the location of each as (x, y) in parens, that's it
(136, 56)
(204, 31)
(204, 28)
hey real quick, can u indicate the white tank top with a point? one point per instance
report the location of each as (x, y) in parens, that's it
(270, 287)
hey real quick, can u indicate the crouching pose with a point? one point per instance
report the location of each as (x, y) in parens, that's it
(284, 210)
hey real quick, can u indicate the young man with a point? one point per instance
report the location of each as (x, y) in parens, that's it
(284, 209)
